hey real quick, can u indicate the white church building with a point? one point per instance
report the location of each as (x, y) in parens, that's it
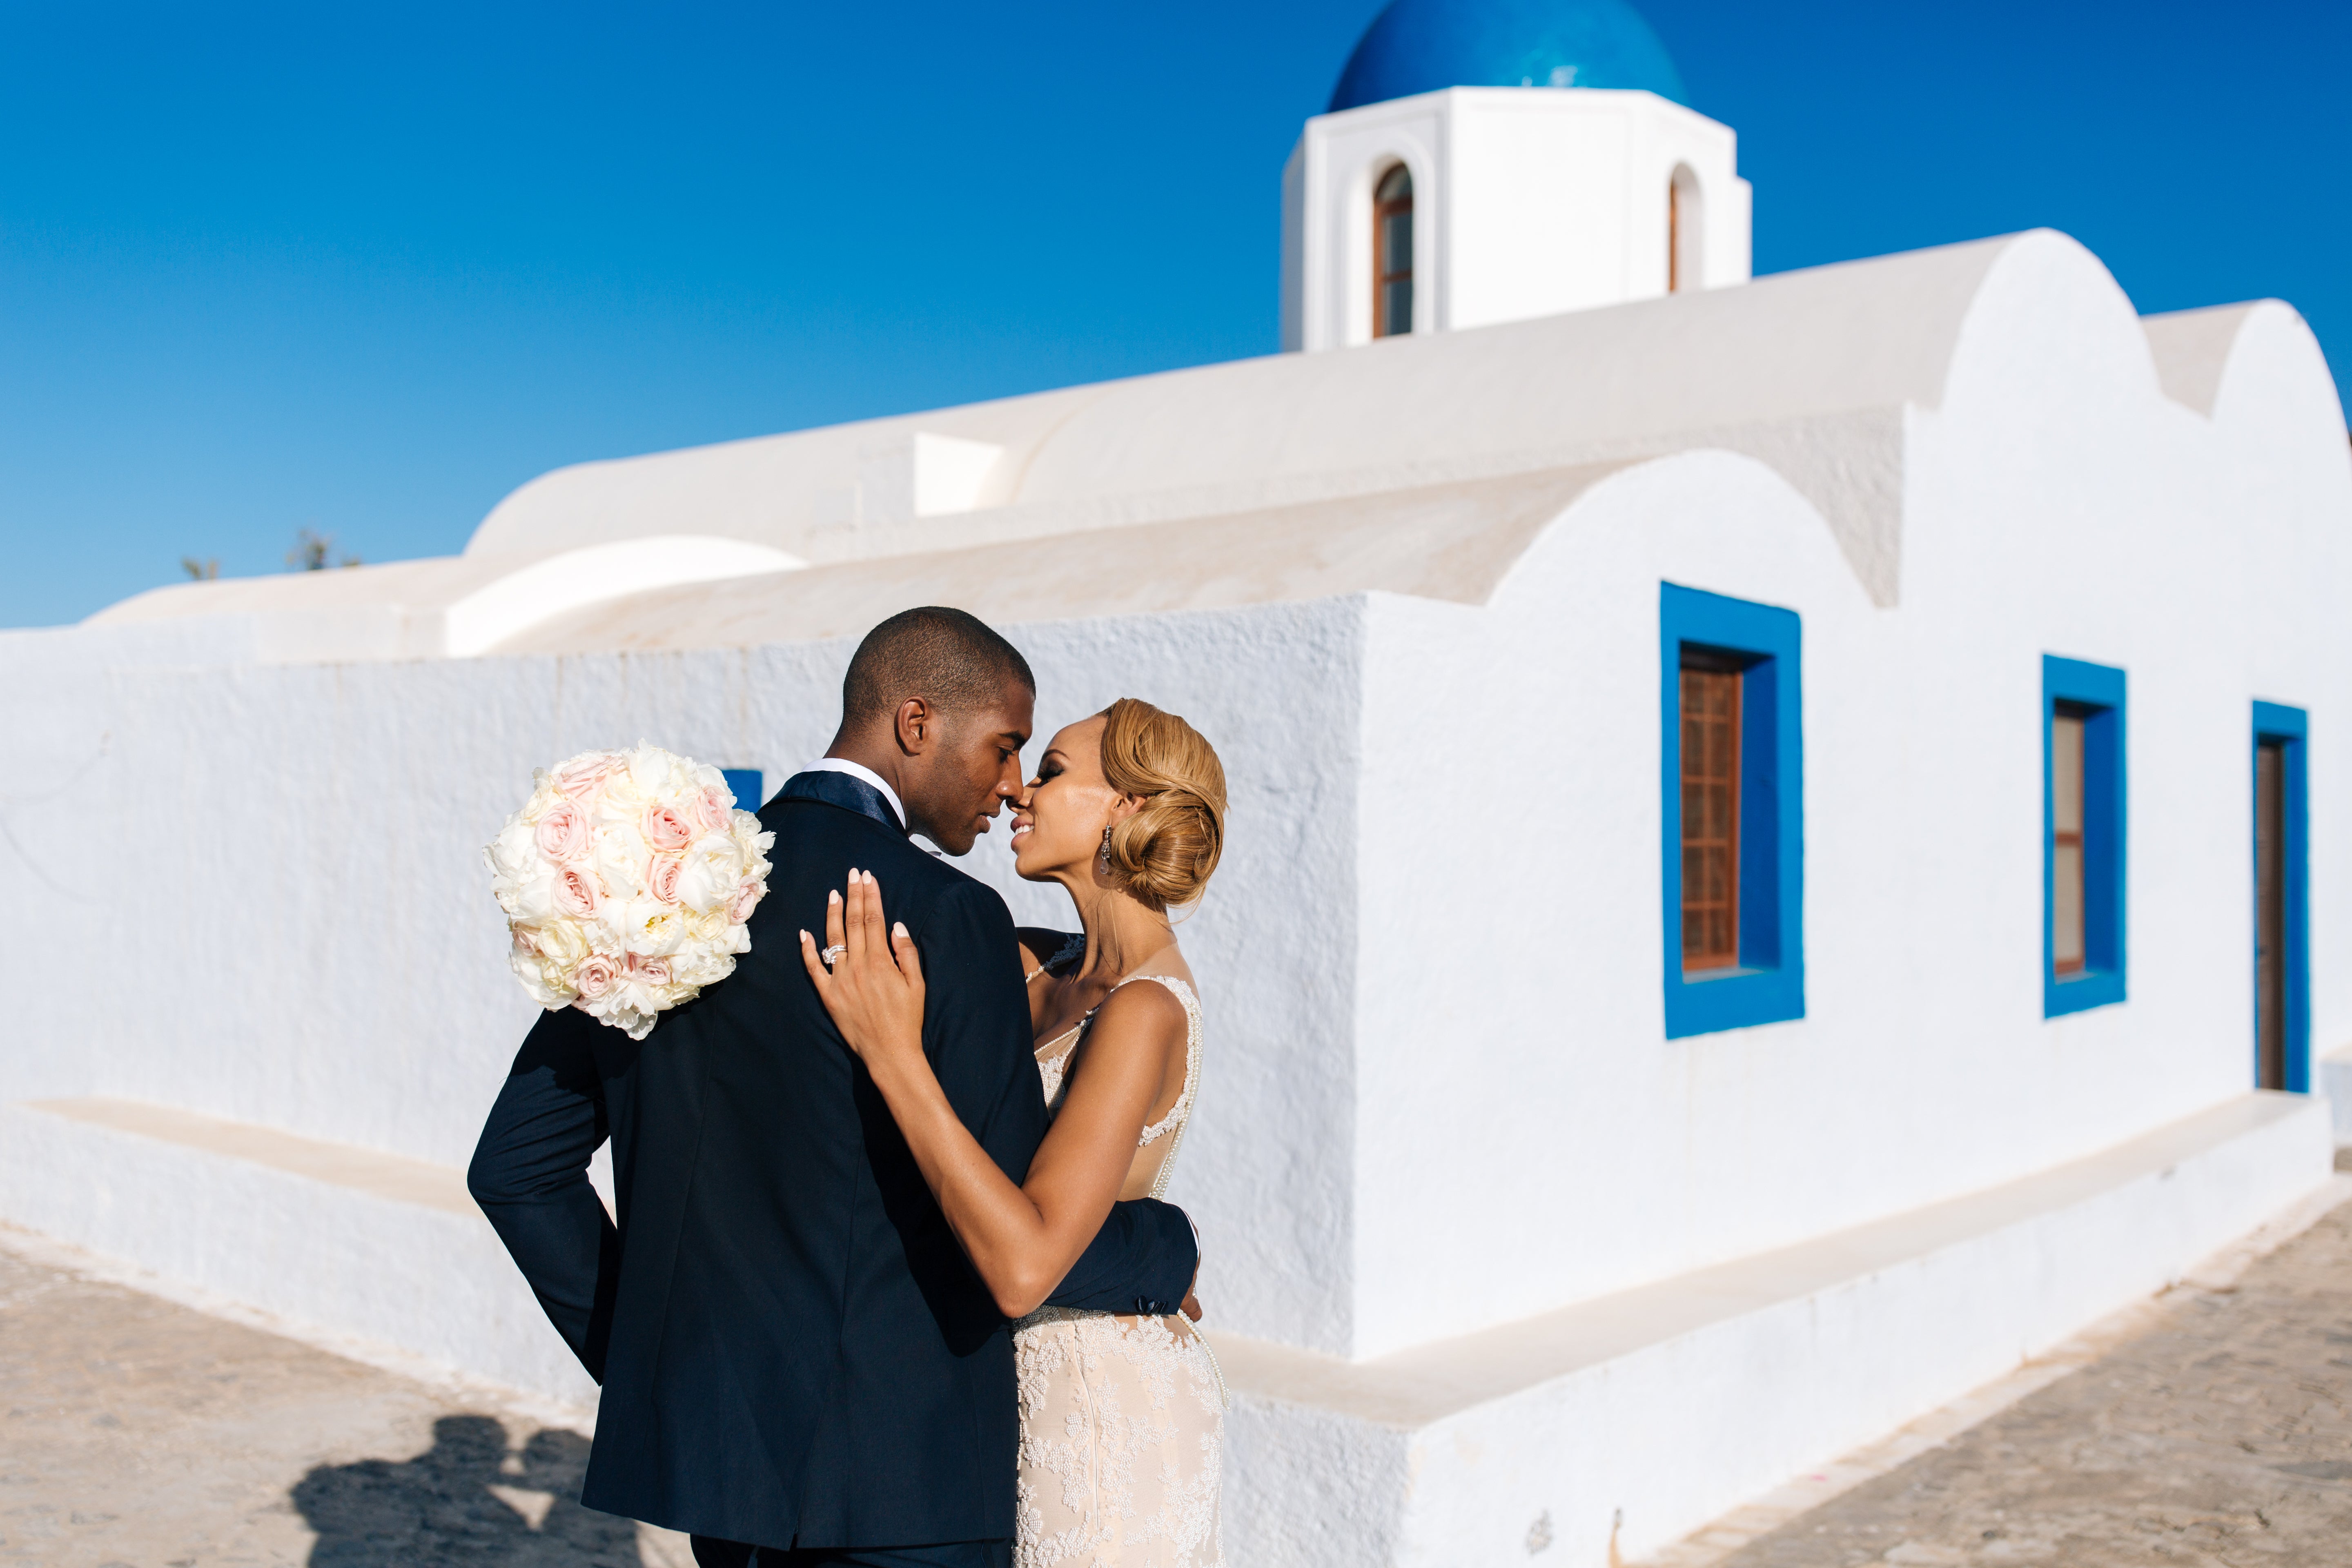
(1786, 852)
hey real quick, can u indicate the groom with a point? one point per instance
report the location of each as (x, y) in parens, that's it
(799, 1365)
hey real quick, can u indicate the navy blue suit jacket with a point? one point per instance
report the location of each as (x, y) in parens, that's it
(793, 1349)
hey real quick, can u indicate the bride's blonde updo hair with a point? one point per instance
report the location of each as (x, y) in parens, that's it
(1166, 851)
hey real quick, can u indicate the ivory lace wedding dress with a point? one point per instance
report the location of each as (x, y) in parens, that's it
(1122, 1417)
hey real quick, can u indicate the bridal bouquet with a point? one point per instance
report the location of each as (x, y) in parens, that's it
(627, 879)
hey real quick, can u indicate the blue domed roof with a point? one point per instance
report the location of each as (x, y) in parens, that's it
(1421, 45)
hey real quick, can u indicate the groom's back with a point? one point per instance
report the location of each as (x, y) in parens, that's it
(799, 1351)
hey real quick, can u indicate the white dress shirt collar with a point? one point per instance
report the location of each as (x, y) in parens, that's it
(863, 774)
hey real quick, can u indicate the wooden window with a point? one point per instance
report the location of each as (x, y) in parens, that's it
(1392, 254)
(2270, 915)
(1673, 236)
(1731, 784)
(1710, 811)
(1686, 226)
(2068, 946)
(2083, 863)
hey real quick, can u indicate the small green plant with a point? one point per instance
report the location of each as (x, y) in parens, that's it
(312, 550)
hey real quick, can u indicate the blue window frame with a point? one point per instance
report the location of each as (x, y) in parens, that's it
(2282, 900)
(745, 782)
(1760, 979)
(2083, 835)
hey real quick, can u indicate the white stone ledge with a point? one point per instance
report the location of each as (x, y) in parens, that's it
(345, 1246)
(1610, 1428)
(392, 1177)
(2332, 1076)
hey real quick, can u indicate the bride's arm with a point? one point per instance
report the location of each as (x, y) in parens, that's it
(1022, 1240)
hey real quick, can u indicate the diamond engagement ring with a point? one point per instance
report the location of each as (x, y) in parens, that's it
(832, 954)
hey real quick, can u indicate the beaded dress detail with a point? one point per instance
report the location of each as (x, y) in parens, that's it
(1122, 1418)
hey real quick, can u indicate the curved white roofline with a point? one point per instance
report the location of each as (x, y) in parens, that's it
(1824, 375)
(449, 608)
(1808, 370)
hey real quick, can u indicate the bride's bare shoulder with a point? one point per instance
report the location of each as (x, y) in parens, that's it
(1142, 1008)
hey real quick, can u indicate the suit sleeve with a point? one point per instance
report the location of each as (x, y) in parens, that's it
(976, 1030)
(530, 1175)
(1142, 1261)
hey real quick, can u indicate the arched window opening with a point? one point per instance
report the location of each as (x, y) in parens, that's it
(1685, 232)
(1392, 254)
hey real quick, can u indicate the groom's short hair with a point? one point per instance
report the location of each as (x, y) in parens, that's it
(950, 659)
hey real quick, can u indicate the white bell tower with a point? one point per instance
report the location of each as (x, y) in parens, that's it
(1513, 202)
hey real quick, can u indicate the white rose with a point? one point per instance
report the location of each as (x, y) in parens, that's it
(539, 957)
(754, 846)
(514, 853)
(657, 773)
(714, 870)
(560, 948)
(527, 969)
(543, 796)
(530, 900)
(620, 854)
(652, 929)
(693, 973)
(624, 796)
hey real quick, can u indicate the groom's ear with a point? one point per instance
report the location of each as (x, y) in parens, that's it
(915, 726)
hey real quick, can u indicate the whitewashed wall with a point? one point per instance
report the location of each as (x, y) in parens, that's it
(1524, 1124)
(256, 892)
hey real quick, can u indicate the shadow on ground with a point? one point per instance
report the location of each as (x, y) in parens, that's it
(469, 1500)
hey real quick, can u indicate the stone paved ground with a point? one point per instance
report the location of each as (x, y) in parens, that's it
(137, 1434)
(2222, 1435)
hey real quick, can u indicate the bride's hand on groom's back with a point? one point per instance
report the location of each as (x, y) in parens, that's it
(873, 987)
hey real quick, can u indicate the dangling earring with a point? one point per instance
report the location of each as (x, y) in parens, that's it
(1106, 849)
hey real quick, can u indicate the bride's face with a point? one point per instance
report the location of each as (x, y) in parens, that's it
(1058, 826)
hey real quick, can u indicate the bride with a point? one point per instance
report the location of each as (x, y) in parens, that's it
(1121, 1417)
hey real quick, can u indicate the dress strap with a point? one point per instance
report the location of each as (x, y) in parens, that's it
(1180, 1113)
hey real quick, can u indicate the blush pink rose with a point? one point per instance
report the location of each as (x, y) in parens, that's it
(583, 778)
(666, 831)
(661, 878)
(575, 893)
(562, 833)
(595, 975)
(716, 812)
(651, 971)
(747, 898)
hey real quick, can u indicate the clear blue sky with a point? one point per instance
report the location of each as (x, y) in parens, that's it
(365, 271)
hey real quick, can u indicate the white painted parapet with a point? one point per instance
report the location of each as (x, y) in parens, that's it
(1603, 1432)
